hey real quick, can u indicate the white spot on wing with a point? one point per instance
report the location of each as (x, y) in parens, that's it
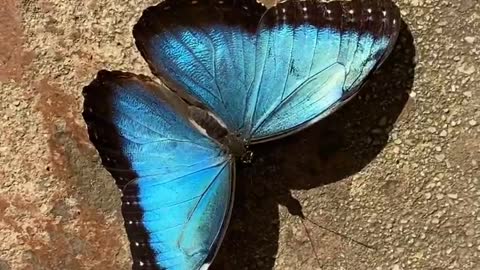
(198, 127)
(218, 120)
(205, 266)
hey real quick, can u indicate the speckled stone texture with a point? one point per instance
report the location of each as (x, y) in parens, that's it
(391, 181)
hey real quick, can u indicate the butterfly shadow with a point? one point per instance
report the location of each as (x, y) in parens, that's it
(327, 152)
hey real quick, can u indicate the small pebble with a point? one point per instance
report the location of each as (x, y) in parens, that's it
(466, 69)
(396, 267)
(440, 157)
(453, 196)
(470, 40)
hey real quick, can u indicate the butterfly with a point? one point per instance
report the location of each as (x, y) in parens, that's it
(233, 73)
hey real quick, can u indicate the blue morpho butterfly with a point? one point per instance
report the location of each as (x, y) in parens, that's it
(235, 73)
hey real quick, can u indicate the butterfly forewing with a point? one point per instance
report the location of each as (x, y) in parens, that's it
(206, 48)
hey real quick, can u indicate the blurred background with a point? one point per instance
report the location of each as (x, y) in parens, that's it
(390, 181)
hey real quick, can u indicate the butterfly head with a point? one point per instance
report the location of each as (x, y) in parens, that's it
(236, 145)
(239, 148)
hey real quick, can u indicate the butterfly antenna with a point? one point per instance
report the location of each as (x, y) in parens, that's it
(341, 235)
(315, 253)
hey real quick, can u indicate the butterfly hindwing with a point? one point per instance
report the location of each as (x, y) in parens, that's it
(267, 76)
(311, 56)
(177, 183)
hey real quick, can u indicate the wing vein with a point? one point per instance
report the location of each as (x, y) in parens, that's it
(213, 51)
(313, 55)
(259, 85)
(198, 202)
(269, 115)
(185, 175)
(194, 56)
(289, 67)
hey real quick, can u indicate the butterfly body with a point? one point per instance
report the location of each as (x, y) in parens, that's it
(235, 73)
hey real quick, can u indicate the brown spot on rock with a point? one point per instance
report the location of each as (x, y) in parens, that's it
(75, 248)
(80, 236)
(59, 111)
(3, 206)
(86, 241)
(13, 58)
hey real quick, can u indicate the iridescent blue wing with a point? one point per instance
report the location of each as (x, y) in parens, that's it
(313, 56)
(177, 183)
(271, 76)
(206, 48)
